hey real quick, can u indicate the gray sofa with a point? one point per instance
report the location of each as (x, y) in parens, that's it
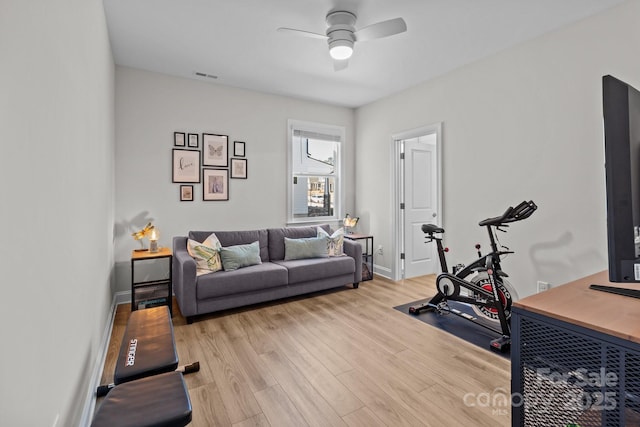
(273, 279)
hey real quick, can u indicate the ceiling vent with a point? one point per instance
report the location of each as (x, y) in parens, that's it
(205, 75)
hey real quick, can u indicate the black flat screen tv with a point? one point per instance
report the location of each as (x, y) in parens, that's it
(621, 108)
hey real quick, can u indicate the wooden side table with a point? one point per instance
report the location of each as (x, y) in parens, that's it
(367, 253)
(151, 291)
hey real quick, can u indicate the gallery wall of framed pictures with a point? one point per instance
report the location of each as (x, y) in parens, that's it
(204, 158)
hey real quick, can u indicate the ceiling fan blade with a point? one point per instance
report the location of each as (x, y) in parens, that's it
(381, 29)
(303, 33)
(340, 64)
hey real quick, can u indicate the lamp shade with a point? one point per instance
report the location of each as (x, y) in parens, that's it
(153, 240)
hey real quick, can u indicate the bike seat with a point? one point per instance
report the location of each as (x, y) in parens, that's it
(431, 228)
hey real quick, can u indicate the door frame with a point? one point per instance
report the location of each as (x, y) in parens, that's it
(398, 188)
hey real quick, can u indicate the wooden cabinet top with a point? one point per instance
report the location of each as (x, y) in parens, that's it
(162, 253)
(575, 303)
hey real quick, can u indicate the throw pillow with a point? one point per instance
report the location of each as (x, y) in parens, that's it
(206, 254)
(238, 256)
(309, 247)
(335, 242)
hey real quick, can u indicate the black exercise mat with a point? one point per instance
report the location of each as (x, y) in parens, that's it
(457, 326)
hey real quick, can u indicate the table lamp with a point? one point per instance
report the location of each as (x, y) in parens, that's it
(153, 240)
(349, 222)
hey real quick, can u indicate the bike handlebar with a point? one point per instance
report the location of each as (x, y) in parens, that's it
(523, 211)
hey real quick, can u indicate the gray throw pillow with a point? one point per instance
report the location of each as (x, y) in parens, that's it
(310, 247)
(235, 257)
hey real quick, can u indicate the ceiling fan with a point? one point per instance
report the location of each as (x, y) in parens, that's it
(341, 34)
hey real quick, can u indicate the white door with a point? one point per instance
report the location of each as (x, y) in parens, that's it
(421, 204)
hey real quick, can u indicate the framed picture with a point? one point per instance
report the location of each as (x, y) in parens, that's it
(215, 150)
(215, 184)
(186, 165)
(178, 139)
(186, 193)
(238, 149)
(192, 141)
(239, 168)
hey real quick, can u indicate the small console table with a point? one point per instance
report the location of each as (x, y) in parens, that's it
(367, 254)
(153, 290)
(575, 357)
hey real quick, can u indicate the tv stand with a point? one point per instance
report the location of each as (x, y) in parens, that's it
(575, 357)
(634, 293)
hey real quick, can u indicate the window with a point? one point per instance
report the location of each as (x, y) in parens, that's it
(314, 190)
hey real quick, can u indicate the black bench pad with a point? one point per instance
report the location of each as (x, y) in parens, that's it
(158, 401)
(148, 347)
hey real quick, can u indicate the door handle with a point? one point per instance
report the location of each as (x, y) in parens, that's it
(434, 214)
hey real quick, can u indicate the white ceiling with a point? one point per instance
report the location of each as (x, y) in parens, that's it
(237, 41)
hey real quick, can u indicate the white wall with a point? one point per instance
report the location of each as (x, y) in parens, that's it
(56, 183)
(523, 124)
(150, 107)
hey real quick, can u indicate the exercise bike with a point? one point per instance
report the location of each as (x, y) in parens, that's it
(482, 284)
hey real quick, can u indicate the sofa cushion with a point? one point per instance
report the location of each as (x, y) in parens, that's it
(309, 247)
(277, 235)
(304, 270)
(233, 238)
(238, 256)
(248, 279)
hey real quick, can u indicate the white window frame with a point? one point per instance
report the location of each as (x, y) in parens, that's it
(323, 129)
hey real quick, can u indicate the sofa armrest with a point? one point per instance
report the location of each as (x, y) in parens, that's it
(354, 250)
(184, 277)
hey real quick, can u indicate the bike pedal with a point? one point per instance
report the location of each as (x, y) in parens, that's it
(443, 308)
(502, 344)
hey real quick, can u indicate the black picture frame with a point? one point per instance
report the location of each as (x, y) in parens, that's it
(179, 139)
(215, 150)
(215, 185)
(239, 168)
(186, 193)
(193, 140)
(238, 149)
(185, 166)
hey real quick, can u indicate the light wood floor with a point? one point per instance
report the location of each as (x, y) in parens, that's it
(341, 358)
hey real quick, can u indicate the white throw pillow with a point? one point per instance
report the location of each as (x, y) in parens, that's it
(335, 242)
(206, 254)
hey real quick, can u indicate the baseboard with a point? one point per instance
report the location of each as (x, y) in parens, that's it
(98, 366)
(382, 271)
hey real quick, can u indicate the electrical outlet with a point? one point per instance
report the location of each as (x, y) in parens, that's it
(543, 286)
(379, 251)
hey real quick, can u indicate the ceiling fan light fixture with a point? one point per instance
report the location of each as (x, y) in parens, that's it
(341, 34)
(341, 49)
